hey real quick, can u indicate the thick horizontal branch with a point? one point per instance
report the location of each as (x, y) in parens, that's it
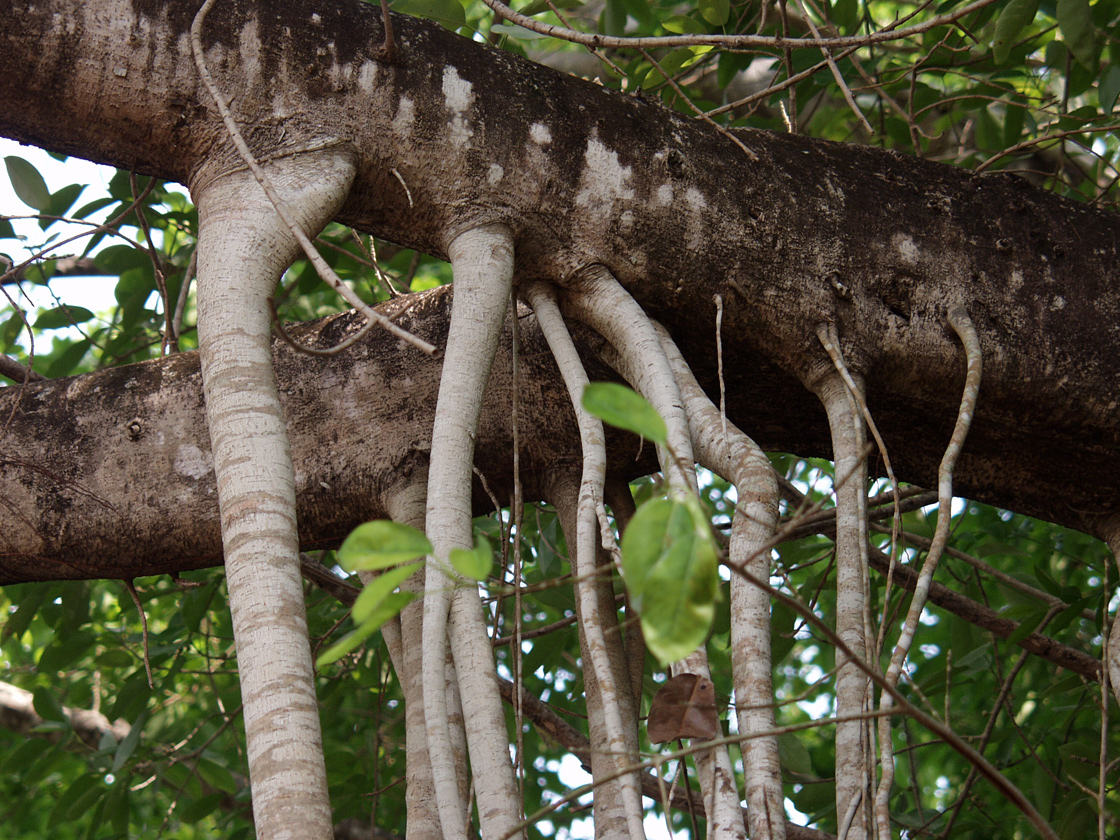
(109, 475)
(797, 232)
(17, 713)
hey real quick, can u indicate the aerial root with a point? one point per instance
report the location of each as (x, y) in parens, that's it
(601, 302)
(962, 325)
(407, 506)
(853, 689)
(482, 265)
(728, 452)
(620, 803)
(243, 249)
(286, 213)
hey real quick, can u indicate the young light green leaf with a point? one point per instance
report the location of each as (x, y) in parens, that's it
(388, 608)
(377, 590)
(683, 25)
(474, 563)
(1015, 16)
(715, 12)
(671, 64)
(380, 544)
(622, 407)
(27, 183)
(1075, 19)
(670, 565)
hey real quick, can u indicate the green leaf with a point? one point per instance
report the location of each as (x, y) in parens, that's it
(76, 800)
(448, 13)
(388, 608)
(61, 201)
(519, 32)
(32, 596)
(114, 658)
(380, 544)
(62, 654)
(69, 359)
(116, 806)
(378, 589)
(200, 808)
(1109, 88)
(670, 565)
(1075, 19)
(27, 183)
(25, 755)
(91, 207)
(671, 64)
(538, 6)
(47, 705)
(782, 621)
(715, 12)
(1027, 626)
(217, 776)
(62, 316)
(1015, 16)
(117, 259)
(474, 563)
(622, 407)
(793, 755)
(683, 25)
(128, 745)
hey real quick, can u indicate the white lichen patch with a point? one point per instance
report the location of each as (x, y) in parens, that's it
(604, 180)
(695, 199)
(192, 462)
(367, 76)
(405, 117)
(665, 195)
(458, 97)
(1058, 303)
(906, 247)
(249, 47)
(315, 19)
(495, 174)
(540, 134)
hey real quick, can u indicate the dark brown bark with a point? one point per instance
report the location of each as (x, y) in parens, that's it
(810, 231)
(108, 475)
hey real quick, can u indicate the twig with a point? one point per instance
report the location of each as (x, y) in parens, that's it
(888, 33)
(16, 372)
(131, 586)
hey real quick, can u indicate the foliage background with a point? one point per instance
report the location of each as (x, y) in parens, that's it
(1023, 86)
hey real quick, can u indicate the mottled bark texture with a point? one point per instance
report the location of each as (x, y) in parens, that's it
(879, 243)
